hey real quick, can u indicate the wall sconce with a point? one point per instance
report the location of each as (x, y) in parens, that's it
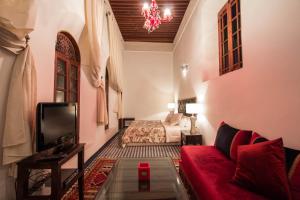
(184, 69)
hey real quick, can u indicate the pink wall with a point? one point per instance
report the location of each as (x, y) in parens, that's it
(52, 17)
(263, 96)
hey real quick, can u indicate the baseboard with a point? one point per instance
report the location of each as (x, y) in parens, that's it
(90, 160)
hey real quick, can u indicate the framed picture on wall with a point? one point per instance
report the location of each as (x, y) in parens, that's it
(182, 105)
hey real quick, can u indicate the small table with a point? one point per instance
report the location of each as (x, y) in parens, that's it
(58, 188)
(122, 182)
(188, 139)
(125, 122)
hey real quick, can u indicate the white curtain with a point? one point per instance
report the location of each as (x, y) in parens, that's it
(21, 101)
(94, 15)
(18, 16)
(115, 63)
(17, 19)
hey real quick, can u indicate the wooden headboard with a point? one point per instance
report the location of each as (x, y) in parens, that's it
(182, 105)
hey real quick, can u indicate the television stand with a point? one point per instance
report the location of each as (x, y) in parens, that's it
(61, 149)
(58, 186)
(52, 157)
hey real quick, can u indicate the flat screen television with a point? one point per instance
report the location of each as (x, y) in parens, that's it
(56, 125)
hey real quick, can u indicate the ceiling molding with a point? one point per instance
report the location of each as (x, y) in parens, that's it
(185, 21)
(149, 46)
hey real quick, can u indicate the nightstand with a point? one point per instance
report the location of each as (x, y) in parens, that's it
(125, 122)
(188, 139)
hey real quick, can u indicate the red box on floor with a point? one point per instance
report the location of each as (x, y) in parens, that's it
(144, 171)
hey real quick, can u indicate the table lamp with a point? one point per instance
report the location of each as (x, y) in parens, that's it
(193, 108)
(171, 107)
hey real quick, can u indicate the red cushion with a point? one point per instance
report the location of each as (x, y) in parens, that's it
(261, 168)
(241, 138)
(222, 123)
(257, 138)
(225, 137)
(254, 136)
(210, 172)
(294, 176)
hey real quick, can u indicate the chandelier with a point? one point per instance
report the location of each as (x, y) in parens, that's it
(152, 16)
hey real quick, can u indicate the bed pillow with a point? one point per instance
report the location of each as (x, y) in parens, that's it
(229, 138)
(261, 168)
(168, 118)
(175, 119)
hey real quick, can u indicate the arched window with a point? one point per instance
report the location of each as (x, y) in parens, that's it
(67, 69)
(107, 94)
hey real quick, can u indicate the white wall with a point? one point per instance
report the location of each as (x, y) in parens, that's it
(265, 94)
(93, 135)
(52, 17)
(148, 79)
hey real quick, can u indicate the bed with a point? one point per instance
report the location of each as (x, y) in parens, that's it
(151, 132)
(156, 132)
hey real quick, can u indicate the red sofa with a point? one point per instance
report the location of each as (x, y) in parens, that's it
(209, 173)
(268, 168)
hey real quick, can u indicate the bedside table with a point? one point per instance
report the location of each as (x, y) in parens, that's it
(125, 122)
(188, 139)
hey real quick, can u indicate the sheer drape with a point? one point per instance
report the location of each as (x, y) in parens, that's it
(115, 63)
(94, 15)
(19, 118)
(18, 16)
(21, 101)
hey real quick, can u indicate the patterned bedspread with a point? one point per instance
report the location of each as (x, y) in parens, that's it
(144, 132)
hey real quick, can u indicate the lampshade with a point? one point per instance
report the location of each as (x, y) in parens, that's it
(193, 108)
(171, 106)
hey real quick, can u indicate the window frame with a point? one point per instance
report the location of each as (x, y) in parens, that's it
(69, 63)
(107, 96)
(67, 84)
(234, 54)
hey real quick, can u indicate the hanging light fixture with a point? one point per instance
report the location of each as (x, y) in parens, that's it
(152, 16)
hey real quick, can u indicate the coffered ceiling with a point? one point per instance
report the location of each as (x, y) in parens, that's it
(130, 20)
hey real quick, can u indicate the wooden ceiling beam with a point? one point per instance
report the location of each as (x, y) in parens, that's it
(130, 20)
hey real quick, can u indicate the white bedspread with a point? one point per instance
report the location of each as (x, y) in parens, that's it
(173, 133)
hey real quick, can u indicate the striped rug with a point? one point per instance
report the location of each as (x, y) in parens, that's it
(114, 150)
